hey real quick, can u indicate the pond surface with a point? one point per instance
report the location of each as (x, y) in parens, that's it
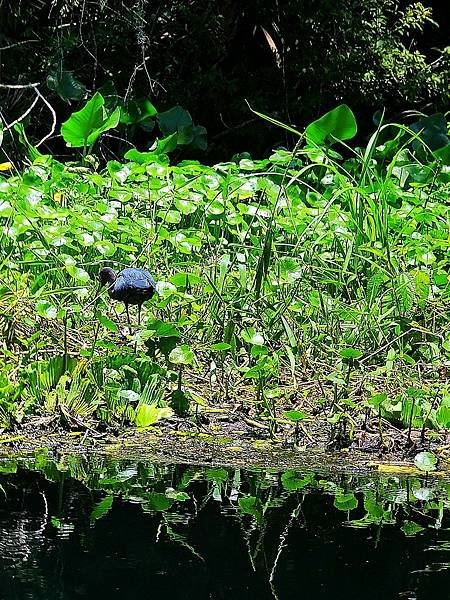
(90, 527)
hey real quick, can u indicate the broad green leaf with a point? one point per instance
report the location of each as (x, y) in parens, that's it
(218, 475)
(173, 120)
(8, 466)
(180, 402)
(200, 139)
(410, 528)
(148, 414)
(84, 127)
(295, 415)
(33, 152)
(443, 416)
(250, 505)
(105, 247)
(220, 346)
(110, 122)
(78, 273)
(255, 338)
(170, 216)
(177, 495)
(167, 330)
(65, 85)
(145, 158)
(5, 208)
(185, 206)
(165, 145)
(160, 329)
(181, 280)
(129, 395)
(350, 353)
(432, 131)
(377, 399)
(427, 257)
(106, 322)
(118, 171)
(423, 493)
(443, 154)
(137, 112)
(216, 208)
(158, 502)
(337, 124)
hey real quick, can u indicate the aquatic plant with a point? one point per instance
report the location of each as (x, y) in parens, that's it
(318, 274)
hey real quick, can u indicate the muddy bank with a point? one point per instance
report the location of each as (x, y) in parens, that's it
(224, 443)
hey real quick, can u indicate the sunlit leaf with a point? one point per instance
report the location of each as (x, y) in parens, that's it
(338, 124)
(46, 309)
(158, 502)
(148, 414)
(85, 126)
(295, 415)
(425, 461)
(106, 322)
(181, 355)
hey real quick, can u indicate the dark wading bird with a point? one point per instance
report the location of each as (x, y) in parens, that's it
(130, 286)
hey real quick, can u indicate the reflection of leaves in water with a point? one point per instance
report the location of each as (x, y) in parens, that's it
(181, 540)
(158, 502)
(410, 528)
(293, 480)
(345, 501)
(178, 495)
(250, 505)
(101, 508)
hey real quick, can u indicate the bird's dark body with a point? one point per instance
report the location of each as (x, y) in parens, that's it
(133, 286)
(130, 286)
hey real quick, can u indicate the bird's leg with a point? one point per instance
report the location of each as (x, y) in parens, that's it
(139, 322)
(128, 317)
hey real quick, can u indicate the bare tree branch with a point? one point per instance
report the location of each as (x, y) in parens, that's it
(18, 44)
(50, 108)
(10, 86)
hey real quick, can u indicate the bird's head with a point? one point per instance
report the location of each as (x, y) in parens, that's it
(106, 276)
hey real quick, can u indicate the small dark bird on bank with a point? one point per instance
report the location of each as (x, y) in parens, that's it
(130, 286)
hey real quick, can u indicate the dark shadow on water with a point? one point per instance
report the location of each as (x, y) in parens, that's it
(92, 528)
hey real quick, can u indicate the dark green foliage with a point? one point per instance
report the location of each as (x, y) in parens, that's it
(293, 59)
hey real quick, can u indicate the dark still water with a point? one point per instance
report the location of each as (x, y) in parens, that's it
(93, 528)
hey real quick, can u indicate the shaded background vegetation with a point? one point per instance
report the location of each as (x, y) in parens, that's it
(293, 60)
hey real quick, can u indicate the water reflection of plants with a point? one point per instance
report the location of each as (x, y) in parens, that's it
(179, 494)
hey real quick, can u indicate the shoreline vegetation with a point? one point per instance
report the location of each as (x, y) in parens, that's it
(302, 300)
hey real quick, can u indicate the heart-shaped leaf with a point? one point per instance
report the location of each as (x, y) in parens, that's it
(337, 124)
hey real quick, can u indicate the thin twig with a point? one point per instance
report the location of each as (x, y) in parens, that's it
(10, 86)
(18, 44)
(50, 108)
